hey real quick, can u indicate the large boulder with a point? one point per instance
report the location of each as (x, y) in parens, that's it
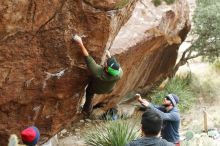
(147, 47)
(42, 72)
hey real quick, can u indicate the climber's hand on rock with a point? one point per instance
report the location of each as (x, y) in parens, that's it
(77, 39)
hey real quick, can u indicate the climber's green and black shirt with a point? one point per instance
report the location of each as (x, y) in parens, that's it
(101, 82)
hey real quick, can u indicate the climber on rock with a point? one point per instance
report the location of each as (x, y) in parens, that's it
(103, 78)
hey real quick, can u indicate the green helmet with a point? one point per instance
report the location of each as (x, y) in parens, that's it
(113, 67)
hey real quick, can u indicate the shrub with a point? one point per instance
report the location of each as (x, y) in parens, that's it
(121, 4)
(206, 88)
(205, 30)
(158, 2)
(216, 64)
(169, 1)
(112, 133)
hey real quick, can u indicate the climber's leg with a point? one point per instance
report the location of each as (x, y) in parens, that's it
(87, 107)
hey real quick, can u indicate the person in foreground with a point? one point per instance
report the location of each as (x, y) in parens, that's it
(103, 78)
(170, 115)
(30, 137)
(151, 124)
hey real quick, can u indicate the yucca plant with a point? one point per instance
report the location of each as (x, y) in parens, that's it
(112, 133)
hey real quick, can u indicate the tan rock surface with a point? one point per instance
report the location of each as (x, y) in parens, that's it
(147, 46)
(42, 73)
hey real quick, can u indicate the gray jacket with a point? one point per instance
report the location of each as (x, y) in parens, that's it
(150, 141)
(171, 123)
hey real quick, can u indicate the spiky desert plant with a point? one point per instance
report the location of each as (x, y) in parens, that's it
(112, 133)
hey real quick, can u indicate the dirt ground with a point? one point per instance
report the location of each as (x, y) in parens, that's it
(193, 120)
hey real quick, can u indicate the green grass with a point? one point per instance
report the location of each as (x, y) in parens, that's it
(179, 86)
(158, 2)
(112, 133)
(169, 1)
(121, 4)
(189, 88)
(216, 64)
(205, 88)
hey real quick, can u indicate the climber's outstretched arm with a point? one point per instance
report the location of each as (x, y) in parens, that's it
(108, 54)
(91, 64)
(78, 40)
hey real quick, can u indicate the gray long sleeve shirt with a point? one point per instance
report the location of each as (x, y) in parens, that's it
(171, 122)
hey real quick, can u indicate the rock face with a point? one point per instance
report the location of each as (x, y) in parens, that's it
(42, 72)
(147, 46)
